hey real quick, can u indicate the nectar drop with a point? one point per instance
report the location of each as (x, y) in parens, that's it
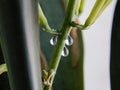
(69, 41)
(65, 52)
(53, 40)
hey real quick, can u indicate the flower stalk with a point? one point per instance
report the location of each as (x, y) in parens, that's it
(61, 41)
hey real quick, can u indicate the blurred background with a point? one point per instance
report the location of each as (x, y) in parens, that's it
(97, 42)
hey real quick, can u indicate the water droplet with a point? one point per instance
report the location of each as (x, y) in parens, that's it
(65, 52)
(53, 40)
(69, 40)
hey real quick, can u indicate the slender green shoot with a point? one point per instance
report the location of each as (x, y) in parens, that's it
(94, 13)
(82, 5)
(107, 2)
(77, 7)
(44, 23)
(67, 1)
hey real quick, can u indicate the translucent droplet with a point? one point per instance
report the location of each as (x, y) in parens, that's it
(53, 40)
(65, 52)
(69, 40)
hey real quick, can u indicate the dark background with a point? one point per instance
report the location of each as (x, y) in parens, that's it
(4, 84)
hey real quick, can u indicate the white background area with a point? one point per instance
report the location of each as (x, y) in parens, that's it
(97, 48)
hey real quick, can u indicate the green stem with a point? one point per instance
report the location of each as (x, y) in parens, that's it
(44, 23)
(61, 41)
(82, 5)
(94, 13)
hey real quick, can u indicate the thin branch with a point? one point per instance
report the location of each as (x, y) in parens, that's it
(61, 42)
(44, 23)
